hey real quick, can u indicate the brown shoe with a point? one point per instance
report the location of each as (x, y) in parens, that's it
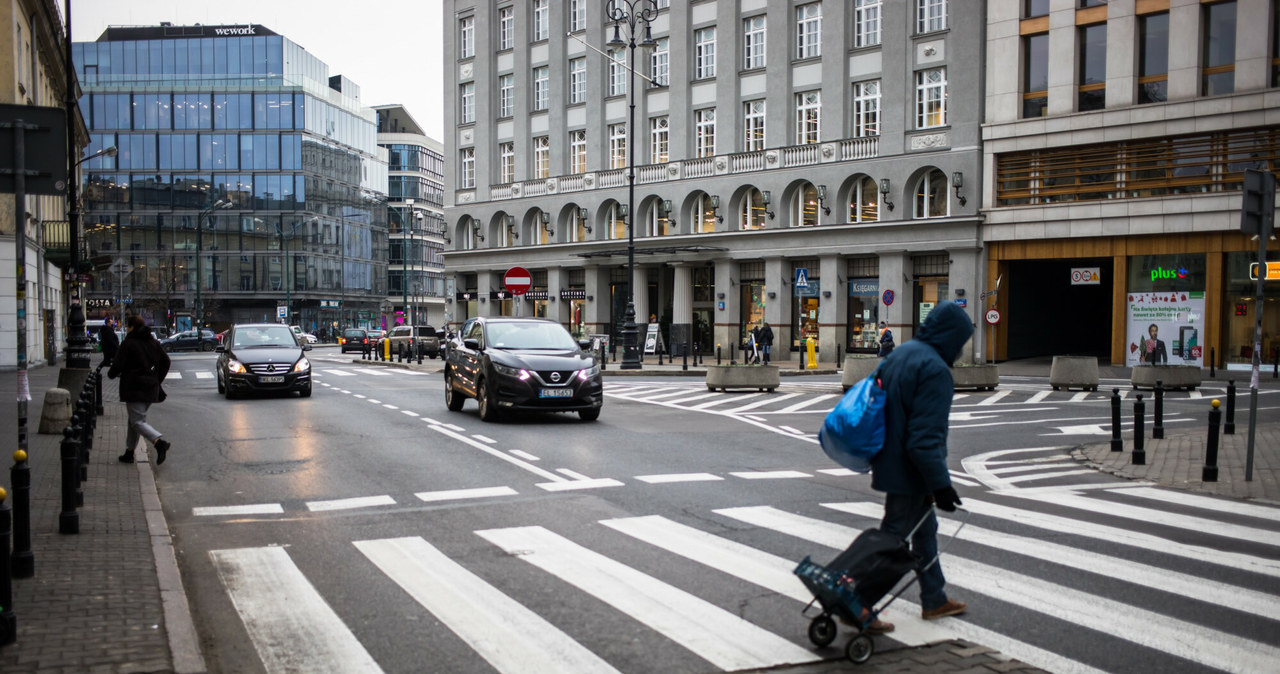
(952, 607)
(879, 627)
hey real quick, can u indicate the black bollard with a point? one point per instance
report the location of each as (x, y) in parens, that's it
(1275, 364)
(684, 360)
(1230, 427)
(1210, 471)
(8, 619)
(1157, 425)
(97, 393)
(733, 358)
(838, 362)
(697, 354)
(23, 561)
(1213, 362)
(1117, 445)
(1139, 434)
(418, 346)
(604, 358)
(69, 519)
(717, 354)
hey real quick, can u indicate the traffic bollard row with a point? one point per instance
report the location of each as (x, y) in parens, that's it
(1157, 425)
(97, 393)
(23, 562)
(717, 354)
(8, 620)
(1210, 471)
(68, 518)
(1213, 362)
(1229, 428)
(1117, 445)
(1139, 439)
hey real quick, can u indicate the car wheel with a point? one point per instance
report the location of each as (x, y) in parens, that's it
(231, 395)
(222, 388)
(589, 415)
(206, 347)
(167, 348)
(488, 411)
(306, 392)
(452, 398)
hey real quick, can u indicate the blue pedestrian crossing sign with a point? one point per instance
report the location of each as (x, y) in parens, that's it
(802, 277)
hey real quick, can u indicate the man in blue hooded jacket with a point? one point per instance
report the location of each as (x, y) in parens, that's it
(912, 467)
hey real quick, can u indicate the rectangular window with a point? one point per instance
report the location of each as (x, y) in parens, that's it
(577, 80)
(1033, 8)
(577, 15)
(809, 31)
(931, 98)
(753, 126)
(506, 28)
(704, 131)
(507, 162)
(617, 146)
(541, 20)
(542, 157)
(506, 95)
(467, 169)
(931, 15)
(1153, 58)
(866, 23)
(1219, 50)
(1035, 75)
(1093, 68)
(617, 72)
(753, 37)
(866, 109)
(466, 37)
(704, 53)
(578, 151)
(467, 113)
(660, 62)
(659, 139)
(808, 117)
(541, 88)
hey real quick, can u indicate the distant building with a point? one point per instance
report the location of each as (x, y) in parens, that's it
(206, 116)
(415, 218)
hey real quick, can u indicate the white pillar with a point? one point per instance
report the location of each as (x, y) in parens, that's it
(681, 308)
(833, 309)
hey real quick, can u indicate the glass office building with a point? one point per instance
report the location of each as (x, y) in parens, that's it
(248, 181)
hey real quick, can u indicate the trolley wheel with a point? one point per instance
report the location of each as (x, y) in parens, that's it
(860, 649)
(822, 631)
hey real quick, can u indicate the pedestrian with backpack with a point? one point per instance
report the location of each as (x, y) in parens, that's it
(886, 340)
(141, 366)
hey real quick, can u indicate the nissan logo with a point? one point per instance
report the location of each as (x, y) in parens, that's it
(555, 376)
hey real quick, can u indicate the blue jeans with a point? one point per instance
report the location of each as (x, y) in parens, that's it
(901, 513)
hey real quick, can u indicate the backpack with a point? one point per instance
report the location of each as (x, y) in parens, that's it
(853, 432)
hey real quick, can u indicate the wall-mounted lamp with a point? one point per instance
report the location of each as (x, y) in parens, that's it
(773, 295)
(826, 293)
(511, 227)
(476, 229)
(546, 223)
(715, 207)
(822, 199)
(666, 211)
(884, 192)
(591, 298)
(765, 197)
(583, 214)
(482, 299)
(624, 210)
(719, 296)
(957, 181)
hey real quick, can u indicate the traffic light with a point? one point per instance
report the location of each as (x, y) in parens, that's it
(1259, 203)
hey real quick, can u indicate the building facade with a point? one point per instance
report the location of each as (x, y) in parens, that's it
(415, 218)
(1116, 150)
(248, 184)
(815, 165)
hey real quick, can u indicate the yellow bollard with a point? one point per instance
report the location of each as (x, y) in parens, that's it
(386, 349)
(811, 348)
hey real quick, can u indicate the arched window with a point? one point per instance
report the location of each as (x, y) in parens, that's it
(805, 210)
(657, 223)
(931, 196)
(752, 213)
(543, 231)
(581, 228)
(619, 228)
(705, 208)
(864, 201)
(510, 233)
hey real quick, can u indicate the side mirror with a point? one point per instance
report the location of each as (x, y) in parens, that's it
(471, 343)
(306, 347)
(584, 344)
(220, 349)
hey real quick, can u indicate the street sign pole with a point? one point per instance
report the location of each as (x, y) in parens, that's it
(1258, 207)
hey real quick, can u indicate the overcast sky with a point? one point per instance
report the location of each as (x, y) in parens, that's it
(391, 48)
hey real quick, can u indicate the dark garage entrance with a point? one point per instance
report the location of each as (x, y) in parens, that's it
(1048, 316)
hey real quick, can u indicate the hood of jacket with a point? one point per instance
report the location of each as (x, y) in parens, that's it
(946, 329)
(141, 332)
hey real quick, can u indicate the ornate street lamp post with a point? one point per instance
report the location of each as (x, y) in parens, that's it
(633, 14)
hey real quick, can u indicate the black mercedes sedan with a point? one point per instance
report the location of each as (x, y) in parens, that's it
(510, 364)
(263, 358)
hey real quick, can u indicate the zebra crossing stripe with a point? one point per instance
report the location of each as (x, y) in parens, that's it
(994, 397)
(457, 494)
(371, 371)
(350, 503)
(679, 477)
(1080, 397)
(1030, 465)
(833, 536)
(1268, 513)
(761, 403)
(724, 399)
(340, 373)
(689, 399)
(714, 634)
(806, 403)
(250, 509)
(1238, 598)
(504, 632)
(289, 623)
(668, 394)
(1050, 475)
(769, 474)
(1041, 395)
(204, 375)
(1143, 541)
(760, 568)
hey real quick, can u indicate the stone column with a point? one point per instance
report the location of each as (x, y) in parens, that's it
(557, 278)
(597, 308)
(641, 295)
(681, 308)
(893, 276)
(966, 277)
(833, 308)
(486, 282)
(726, 320)
(778, 308)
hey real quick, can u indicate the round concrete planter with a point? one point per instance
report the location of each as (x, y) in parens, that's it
(856, 368)
(1172, 376)
(1074, 371)
(984, 377)
(746, 377)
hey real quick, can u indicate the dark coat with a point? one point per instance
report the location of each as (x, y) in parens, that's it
(110, 342)
(766, 335)
(918, 386)
(1157, 355)
(141, 364)
(886, 343)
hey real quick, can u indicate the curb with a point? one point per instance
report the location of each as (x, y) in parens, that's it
(615, 372)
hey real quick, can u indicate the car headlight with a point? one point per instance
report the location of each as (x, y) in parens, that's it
(511, 371)
(302, 365)
(236, 367)
(588, 372)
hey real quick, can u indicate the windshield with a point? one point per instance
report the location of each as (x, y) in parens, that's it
(530, 336)
(354, 333)
(264, 336)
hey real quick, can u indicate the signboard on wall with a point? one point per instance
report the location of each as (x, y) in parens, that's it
(1086, 276)
(1165, 327)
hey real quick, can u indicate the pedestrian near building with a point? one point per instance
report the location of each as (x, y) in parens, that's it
(766, 340)
(109, 341)
(141, 366)
(912, 467)
(886, 340)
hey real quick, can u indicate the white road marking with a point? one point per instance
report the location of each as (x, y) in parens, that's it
(1019, 462)
(390, 406)
(977, 466)
(792, 430)
(761, 403)
(1194, 395)
(571, 485)
(1038, 397)
(484, 438)
(668, 394)
(289, 623)
(718, 636)
(725, 399)
(692, 398)
(1029, 466)
(1050, 474)
(961, 478)
(1269, 513)
(410, 413)
(375, 402)
(251, 509)
(806, 403)
(524, 455)
(994, 397)
(345, 391)
(350, 503)
(340, 373)
(753, 418)
(769, 474)
(459, 494)
(358, 396)
(508, 635)
(679, 477)
(454, 432)
(453, 427)
(174, 374)
(372, 371)
(839, 472)
(204, 375)
(1080, 397)
(572, 475)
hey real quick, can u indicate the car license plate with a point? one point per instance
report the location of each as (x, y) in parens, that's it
(278, 379)
(555, 393)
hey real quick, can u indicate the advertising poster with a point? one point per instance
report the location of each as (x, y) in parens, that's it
(1165, 328)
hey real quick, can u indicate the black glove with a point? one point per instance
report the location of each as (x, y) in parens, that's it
(947, 499)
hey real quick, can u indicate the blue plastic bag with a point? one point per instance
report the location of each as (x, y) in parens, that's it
(853, 433)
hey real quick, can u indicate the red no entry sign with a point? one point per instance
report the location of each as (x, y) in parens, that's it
(517, 280)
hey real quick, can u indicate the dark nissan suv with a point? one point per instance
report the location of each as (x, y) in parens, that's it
(510, 364)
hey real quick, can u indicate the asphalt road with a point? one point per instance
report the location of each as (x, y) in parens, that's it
(369, 529)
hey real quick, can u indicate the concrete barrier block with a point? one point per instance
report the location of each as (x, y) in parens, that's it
(1074, 372)
(1174, 376)
(856, 368)
(975, 377)
(56, 413)
(758, 377)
